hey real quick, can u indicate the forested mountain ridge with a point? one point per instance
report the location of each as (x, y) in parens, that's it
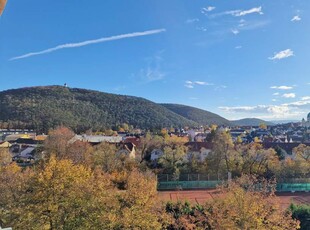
(45, 107)
(200, 116)
(251, 122)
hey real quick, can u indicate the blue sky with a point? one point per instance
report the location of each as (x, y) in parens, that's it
(236, 58)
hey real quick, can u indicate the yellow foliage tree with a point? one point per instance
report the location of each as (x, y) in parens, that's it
(139, 209)
(243, 206)
(13, 181)
(5, 157)
(58, 141)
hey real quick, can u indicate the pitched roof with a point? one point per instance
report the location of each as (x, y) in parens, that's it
(98, 138)
(196, 146)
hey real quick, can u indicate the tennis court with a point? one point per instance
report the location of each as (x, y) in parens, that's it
(201, 196)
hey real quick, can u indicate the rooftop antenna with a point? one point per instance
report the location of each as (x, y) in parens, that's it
(65, 85)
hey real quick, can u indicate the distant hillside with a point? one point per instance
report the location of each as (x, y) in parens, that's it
(202, 117)
(251, 122)
(284, 121)
(42, 108)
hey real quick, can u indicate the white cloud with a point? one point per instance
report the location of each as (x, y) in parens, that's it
(297, 104)
(192, 20)
(242, 23)
(274, 99)
(191, 84)
(202, 83)
(289, 95)
(296, 18)
(235, 32)
(251, 25)
(265, 111)
(239, 13)
(276, 94)
(201, 29)
(282, 87)
(152, 74)
(89, 42)
(255, 109)
(153, 71)
(282, 54)
(295, 110)
(305, 98)
(238, 47)
(205, 10)
(250, 11)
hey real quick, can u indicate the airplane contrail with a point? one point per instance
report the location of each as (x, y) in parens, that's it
(89, 42)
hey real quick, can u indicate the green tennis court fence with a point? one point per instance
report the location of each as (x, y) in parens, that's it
(293, 187)
(184, 185)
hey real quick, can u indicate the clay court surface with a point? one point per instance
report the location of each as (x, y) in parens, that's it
(201, 196)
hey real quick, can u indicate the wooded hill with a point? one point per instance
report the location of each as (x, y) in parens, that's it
(44, 107)
(200, 116)
(251, 122)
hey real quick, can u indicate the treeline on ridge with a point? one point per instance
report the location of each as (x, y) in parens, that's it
(42, 108)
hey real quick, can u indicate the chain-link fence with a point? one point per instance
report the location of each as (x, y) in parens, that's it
(190, 177)
(209, 181)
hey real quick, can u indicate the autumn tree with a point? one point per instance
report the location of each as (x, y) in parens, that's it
(109, 132)
(79, 152)
(257, 160)
(126, 127)
(13, 181)
(64, 195)
(262, 126)
(148, 143)
(248, 204)
(56, 194)
(104, 156)
(173, 159)
(221, 156)
(164, 132)
(139, 207)
(67, 196)
(303, 158)
(298, 166)
(186, 216)
(58, 141)
(174, 141)
(5, 157)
